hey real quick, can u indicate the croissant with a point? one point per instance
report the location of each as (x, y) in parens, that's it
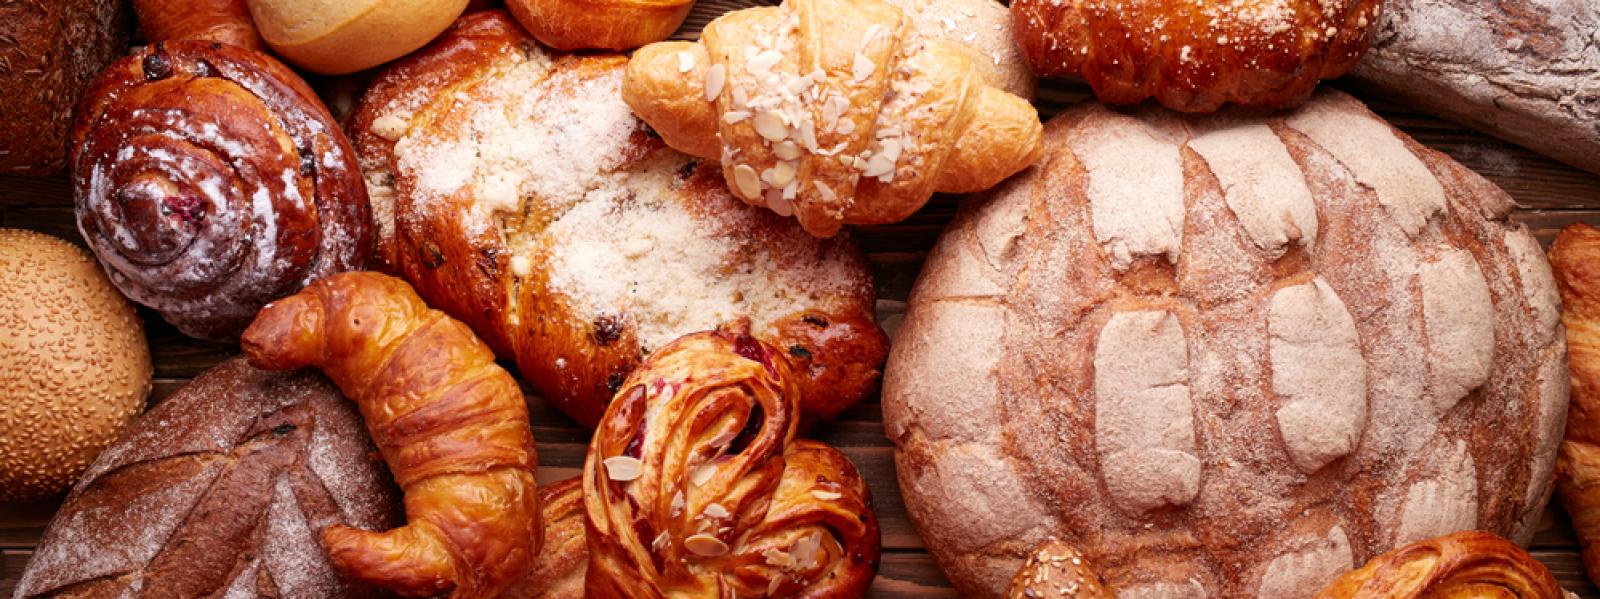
(695, 485)
(226, 21)
(835, 111)
(1196, 56)
(210, 180)
(1575, 260)
(1463, 564)
(452, 425)
(1056, 569)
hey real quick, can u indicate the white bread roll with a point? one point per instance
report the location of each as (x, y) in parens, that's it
(334, 37)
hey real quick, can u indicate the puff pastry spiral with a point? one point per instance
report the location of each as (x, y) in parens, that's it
(695, 485)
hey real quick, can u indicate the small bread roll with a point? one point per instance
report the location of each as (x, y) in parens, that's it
(74, 366)
(335, 37)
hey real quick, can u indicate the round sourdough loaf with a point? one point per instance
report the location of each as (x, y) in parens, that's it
(1226, 357)
(516, 190)
(219, 491)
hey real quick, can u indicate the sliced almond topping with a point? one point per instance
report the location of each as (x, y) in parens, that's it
(762, 63)
(716, 76)
(808, 135)
(685, 61)
(791, 190)
(825, 191)
(734, 116)
(702, 474)
(863, 68)
(845, 127)
(635, 248)
(826, 495)
(623, 468)
(661, 541)
(891, 149)
(705, 545)
(878, 166)
(746, 180)
(725, 437)
(770, 125)
(389, 127)
(782, 173)
(716, 510)
(778, 559)
(741, 100)
(779, 205)
(787, 150)
(773, 585)
(676, 508)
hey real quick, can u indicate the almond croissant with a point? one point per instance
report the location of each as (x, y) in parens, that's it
(1575, 260)
(452, 425)
(1463, 564)
(695, 485)
(837, 111)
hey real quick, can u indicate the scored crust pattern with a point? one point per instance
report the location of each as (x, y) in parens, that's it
(219, 491)
(1228, 356)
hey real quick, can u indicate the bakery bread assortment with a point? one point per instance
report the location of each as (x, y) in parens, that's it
(1056, 570)
(602, 24)
(210, 180)
(218, 491)
(1197, 56)
(334, 37)
(1575, 258)
(451, 424)
(1226, 356)
(49, 52)
(833, 111)
(1234, 341)
(1523, 73)
(577, 272)
(74, 366)
(226, 21)
(1463, 564)
(695, 484)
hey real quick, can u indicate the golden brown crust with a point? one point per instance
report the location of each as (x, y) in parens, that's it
(335, 37)
(1463, 564)
(1575, 259)
(558, 572)
(1057, 570)
(452, 425)
(52, 50)
(573, 334)
(601, 24)
(226, 21)
(1195, 57)
(695, 484)
(210, 180)
(835, 111)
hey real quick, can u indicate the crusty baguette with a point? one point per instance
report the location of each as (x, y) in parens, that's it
(1529, 75)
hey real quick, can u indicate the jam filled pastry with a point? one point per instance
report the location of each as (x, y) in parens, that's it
(835, 111)
(210, 180)
(451, 424)
(1196, 56)
(695, 485)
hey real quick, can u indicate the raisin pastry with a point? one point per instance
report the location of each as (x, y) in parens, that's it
(577, 272)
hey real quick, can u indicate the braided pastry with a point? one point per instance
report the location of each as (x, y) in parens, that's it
(695, 485)
(1575, 259)
(836, 111)
(1463, 564)
(1196, 56)
(1058, 570)
(452, 425)
(210, 180)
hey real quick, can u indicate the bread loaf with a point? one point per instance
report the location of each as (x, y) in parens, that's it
(1526, 72)
(577, 272)
(217, 491)
(335, 37)
(1229, 356)
(49, 51)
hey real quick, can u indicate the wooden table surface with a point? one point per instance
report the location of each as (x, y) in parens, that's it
(1550, 194)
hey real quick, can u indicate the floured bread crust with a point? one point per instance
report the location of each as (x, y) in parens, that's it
(515, 189)
(1251, 355)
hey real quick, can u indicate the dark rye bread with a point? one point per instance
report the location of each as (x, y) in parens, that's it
(219, 491)
(49, 50)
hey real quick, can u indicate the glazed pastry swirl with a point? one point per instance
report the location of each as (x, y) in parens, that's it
(210, 180)
(695, 485)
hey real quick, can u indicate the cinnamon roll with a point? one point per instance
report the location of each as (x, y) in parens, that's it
(210, 180)
(695, 485)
